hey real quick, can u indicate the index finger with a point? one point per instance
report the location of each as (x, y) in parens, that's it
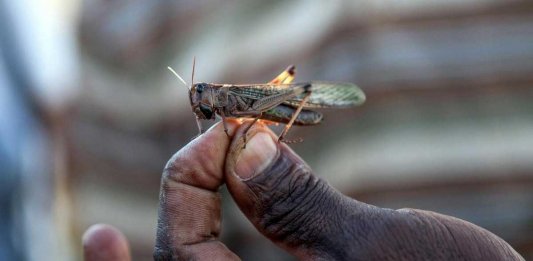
(189, 202)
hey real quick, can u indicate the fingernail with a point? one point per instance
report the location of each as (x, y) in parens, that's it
(258, 154)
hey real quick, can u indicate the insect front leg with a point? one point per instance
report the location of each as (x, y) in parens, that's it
(298, 110)
(199, 124)
(223, 116)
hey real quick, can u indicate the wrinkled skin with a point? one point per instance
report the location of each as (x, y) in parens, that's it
(289, 205)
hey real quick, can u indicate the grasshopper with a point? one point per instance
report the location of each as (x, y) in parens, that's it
(279, 101)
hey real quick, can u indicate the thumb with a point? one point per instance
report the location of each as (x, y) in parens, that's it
(278, 193)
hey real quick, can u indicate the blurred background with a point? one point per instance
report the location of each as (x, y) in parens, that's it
(89, 114)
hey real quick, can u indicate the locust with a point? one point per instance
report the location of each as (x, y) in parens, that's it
(278, 101)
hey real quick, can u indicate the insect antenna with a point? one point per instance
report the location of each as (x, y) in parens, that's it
(177, 75)
(193, 66)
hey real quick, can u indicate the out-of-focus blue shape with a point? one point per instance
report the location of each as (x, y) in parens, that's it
(16, 123)
(38, 68)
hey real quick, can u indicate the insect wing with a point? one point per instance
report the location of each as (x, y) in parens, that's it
(258, 91)
(331, 95)
(323, 94)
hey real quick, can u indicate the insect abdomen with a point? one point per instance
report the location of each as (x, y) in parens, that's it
(283, 113)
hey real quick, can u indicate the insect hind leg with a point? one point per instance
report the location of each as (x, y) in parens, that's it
(298, 110)
(285, 77)
(293, 141)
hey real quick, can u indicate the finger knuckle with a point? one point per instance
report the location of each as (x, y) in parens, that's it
(173, 171)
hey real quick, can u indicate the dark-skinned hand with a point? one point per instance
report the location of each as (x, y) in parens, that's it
(301, 213)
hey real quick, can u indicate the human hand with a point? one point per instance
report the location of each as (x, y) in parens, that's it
(301, 213)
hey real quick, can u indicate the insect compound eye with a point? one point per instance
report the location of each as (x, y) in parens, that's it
(200, 87)
(206, 111)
